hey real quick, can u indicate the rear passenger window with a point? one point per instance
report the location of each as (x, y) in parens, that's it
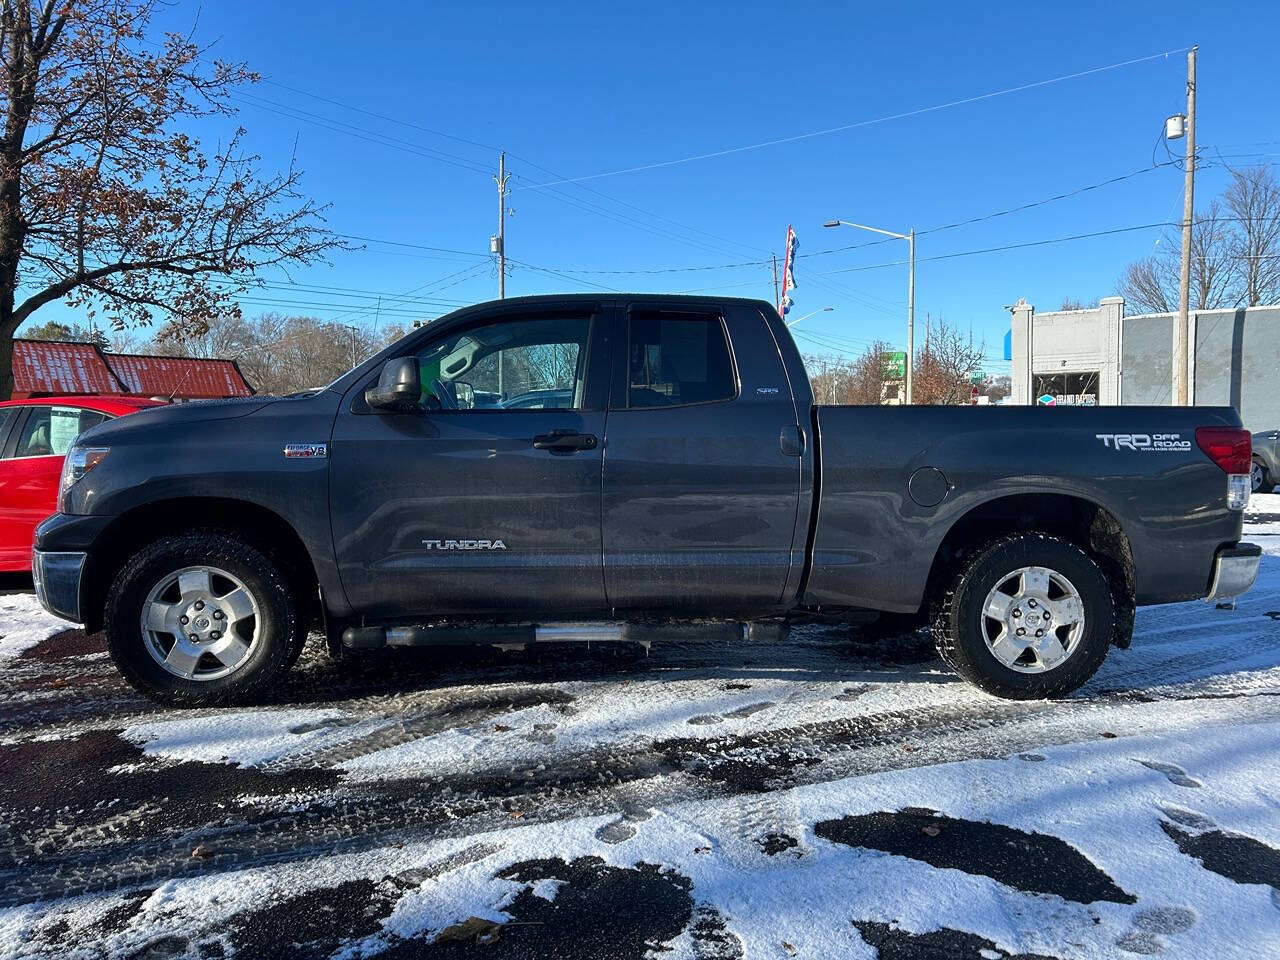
(678, 358)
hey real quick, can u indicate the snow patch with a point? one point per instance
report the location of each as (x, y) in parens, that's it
(245, 739)
(26, 623)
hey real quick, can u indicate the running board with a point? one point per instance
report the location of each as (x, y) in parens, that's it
(517, 635)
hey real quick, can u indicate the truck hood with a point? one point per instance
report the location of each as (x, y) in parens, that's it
(198, 411)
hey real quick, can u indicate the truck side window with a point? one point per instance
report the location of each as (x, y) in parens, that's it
(533, 364)
(678, 358)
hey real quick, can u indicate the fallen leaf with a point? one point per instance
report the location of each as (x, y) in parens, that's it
(1107, 735)
(500, 728)
(701, 849)
(202, 852)
(516, 814)
(789, 948)
(908, 748)
(470, 930)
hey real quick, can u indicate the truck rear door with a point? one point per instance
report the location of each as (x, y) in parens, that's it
(702, 466)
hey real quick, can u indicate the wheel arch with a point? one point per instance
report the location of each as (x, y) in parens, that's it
(257, 525)
(1088, 524)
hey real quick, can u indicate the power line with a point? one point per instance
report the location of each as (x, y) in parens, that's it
(866, 123)
(1009, 246)
(386, 140)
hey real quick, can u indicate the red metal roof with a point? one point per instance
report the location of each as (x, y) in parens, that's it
(43, 366)
(62, 369)
(184, 377)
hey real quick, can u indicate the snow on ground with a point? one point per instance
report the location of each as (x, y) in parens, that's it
(1122, 883)
(815, 798)
(1262, 521)
(24, 623)
(248, 738)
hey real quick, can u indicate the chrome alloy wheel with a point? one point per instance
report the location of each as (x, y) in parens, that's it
(200, 623)
(1033, 619)
(1255, 476)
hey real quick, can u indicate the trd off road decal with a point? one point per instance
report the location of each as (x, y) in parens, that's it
(464, 544)
(1145, 442)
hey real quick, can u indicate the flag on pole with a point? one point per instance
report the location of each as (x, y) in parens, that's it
(788, 269)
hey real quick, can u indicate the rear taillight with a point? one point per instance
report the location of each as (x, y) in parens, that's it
(1231, 448)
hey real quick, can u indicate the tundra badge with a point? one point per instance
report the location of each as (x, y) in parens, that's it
(464, 544)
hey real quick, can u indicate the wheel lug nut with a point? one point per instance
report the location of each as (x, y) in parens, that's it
(217, 614)
(193, 638)
(1017, 613)
(184, 619)
(214, 635)
(199, 604)
(1021, 632)
(1031, 604)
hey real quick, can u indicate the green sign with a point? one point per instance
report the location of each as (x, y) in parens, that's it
(977, 377)
(894, 365)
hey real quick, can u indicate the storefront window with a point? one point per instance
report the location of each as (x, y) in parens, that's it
(1068, 389)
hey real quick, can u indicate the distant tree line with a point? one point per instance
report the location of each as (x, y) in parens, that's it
(278, 354)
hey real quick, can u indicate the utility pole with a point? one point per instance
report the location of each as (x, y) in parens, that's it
(499, 242)
(1179, 372)
(354, 330)
(777, 302)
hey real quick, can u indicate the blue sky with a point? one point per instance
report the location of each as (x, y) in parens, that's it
(576, 90)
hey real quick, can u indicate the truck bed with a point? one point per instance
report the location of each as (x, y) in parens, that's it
(893, 482)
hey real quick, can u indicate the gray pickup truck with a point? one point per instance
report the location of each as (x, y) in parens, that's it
(629, 468)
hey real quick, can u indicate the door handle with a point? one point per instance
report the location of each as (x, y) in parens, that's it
(564, 441)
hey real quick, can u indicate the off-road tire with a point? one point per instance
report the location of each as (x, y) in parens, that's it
(957, 617)
(281, 636)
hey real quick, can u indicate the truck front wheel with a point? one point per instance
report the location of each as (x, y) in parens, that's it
(202, 618)
(1029, 616)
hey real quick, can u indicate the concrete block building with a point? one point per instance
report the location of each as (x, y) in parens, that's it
(1102, 356)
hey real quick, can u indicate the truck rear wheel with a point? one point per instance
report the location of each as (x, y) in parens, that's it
(202, 618)
(1029, 616)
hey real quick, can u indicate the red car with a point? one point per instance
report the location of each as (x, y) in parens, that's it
(34, 437)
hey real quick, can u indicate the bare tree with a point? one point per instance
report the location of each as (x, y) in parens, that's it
(1075, 303)
(1235, 253)
(1151, 285)
(1253, 197)
(943, 369)
(857, 381)
(104, 202)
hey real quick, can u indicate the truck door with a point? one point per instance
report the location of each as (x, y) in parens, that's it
(489, 499)
(700, 498)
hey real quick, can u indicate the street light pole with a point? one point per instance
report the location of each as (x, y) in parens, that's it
(792, 323)
(911, 288)
(911, 311)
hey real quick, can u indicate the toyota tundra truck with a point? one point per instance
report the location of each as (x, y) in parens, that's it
(629, 468)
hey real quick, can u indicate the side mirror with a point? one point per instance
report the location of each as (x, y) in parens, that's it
(466, 395)
(399, 386)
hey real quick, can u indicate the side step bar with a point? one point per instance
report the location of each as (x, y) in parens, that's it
(517, 635)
